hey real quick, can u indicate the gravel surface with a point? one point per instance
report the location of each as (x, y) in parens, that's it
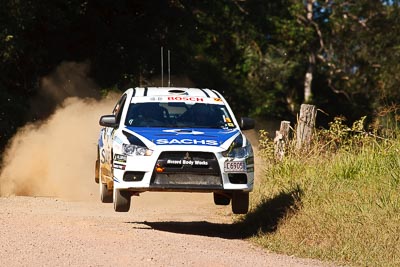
(75, 229)
(161, 229)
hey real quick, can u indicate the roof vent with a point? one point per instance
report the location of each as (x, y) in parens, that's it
(178, 92)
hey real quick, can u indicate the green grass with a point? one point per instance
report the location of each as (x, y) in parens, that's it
(340, 202)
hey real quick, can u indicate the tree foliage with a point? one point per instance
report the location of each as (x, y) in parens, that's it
(257, 52)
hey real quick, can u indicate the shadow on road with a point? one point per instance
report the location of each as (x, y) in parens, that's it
(265, 218)
(270, 213)
(202, 228)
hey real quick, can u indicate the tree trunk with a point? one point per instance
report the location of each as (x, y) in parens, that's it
(281, 140)
(311, 59)
(309, 7)
(305, 126)
(308, 78)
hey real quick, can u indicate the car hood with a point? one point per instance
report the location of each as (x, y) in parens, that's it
(184, 136)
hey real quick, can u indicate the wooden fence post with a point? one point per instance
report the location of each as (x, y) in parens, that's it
(281, 139)
(305, 126)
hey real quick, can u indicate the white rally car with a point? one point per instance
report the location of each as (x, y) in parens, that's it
(174, 139)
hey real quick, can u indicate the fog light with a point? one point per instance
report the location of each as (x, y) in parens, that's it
(159, 168)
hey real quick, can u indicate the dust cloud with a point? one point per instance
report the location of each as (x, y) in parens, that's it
(69, 79)
(55, 157)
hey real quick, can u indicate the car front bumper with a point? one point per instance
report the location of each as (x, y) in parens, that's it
(186, 171)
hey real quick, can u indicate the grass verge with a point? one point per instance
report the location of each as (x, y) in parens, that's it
(338, 202)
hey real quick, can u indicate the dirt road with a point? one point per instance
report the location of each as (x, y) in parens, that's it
(162, 229)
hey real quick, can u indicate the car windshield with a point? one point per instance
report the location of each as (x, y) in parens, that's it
(178, 114)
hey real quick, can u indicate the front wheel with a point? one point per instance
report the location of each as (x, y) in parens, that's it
(122, 200)
(240, 202)
(106, 196)
(221, 200)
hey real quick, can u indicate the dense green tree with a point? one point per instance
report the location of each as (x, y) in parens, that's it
(344, 51)
(358, 58)
(267, 57)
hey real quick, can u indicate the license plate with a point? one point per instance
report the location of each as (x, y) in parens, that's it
(235, 166)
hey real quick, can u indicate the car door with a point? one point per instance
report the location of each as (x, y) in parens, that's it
(109, 137)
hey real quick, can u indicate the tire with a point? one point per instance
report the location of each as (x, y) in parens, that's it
(96, 171)
(221, 199)
(240, 202)
(106, 196)
(122, 200)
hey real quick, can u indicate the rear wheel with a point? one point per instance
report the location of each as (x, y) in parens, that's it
(122, 200)
(96, 171)
(240, 202)
(106, 196)
(221, 199)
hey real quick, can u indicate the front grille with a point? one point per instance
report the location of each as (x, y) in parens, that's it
(182, 154)
(181, 168)
(186, 179)
(189, 162)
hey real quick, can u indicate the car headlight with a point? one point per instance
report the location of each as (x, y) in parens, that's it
(134, 150)
(237, 150)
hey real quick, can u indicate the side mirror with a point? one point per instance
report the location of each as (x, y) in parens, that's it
(108, 121)
(246, 123)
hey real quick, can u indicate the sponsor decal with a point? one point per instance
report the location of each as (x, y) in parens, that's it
(119, 166)
(104, 157)
(187, 141)
(120, 158)
(158, 98)
(187, 162)
(186, 98)
(183, 131)
(183, 136)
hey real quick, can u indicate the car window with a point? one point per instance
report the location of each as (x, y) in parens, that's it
(117, 111)
(178, 114)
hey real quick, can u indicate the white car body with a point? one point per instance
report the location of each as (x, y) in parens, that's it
(178, 151)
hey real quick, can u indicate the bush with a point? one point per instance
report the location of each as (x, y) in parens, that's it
(346, 204)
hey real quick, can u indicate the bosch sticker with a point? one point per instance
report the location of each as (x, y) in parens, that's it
(185, 98)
